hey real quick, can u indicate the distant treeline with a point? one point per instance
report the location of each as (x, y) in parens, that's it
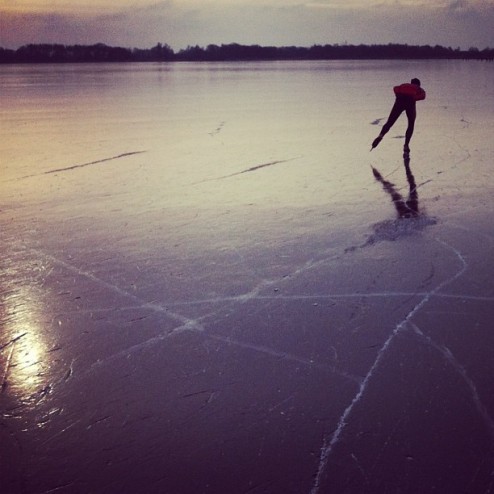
(57, 53)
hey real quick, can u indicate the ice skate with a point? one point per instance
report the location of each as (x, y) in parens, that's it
(376, 141)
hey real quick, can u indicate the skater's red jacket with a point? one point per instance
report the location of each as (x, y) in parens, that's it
(407, 89)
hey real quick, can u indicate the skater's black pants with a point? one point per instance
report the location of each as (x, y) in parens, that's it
(402, 104)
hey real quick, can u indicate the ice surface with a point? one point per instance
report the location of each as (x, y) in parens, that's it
(209, 284)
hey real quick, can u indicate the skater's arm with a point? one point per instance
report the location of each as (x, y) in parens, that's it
(420, 94)
(416, 92)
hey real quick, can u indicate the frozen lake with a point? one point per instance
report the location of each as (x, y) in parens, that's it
(210, 285)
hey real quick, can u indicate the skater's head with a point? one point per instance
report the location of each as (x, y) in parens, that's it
(416, 81)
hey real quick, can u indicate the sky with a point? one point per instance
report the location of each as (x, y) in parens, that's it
(182, 23)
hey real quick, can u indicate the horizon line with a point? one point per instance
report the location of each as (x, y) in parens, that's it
(235, 43)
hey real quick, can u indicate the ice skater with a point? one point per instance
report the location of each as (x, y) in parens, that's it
(407, 95)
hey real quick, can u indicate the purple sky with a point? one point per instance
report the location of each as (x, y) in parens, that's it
(143, 23)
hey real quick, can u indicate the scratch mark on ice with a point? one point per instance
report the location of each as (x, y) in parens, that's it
(7, 368)
(12, 341)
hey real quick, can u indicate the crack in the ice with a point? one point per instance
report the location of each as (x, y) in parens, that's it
(283, 356)
(359, 466)
(378, 455)
(320, 296)
(280, 296)
(281, 403)
(218, 129)
(186, 322)
(330, 441)
(60, 432)
(58, 488)
(139, 346)
(73, 167)
(377, 121)
(258, 167)
(82, 165)
(248, 170)
(450, 358)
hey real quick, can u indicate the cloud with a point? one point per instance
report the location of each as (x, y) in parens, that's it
(69, 6)
(470, 6)
(453, 23)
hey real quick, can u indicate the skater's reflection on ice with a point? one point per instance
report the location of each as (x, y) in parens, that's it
(408, 208)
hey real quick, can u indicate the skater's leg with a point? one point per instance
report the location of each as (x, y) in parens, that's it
(393, 116)
(411, 115)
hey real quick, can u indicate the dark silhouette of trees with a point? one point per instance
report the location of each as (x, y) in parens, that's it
(57, 53)
(159, 53)
(7, 56)
(46, 53)
(236, 52)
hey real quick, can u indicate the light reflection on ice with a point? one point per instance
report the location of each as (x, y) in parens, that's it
(27, 358)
